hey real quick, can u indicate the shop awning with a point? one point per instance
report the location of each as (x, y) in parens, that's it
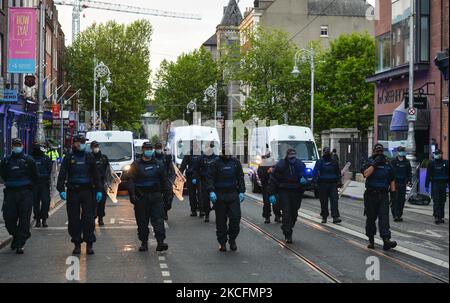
(400, 121)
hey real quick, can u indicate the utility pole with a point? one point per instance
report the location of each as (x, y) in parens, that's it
(40, 125)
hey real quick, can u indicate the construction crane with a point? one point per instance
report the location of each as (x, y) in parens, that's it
(79, 5)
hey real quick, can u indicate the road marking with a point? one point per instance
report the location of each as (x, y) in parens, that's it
(54, 210)
(167, 281)
(166, 225)
(165, 273)
(426, 232)
(112, 221)
(161, 258)
(311, 216)
(163, 266)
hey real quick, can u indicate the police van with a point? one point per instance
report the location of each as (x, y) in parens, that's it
(180, 140)
(268, 145)
(138, 146)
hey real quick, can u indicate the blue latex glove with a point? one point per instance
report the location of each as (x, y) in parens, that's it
(272, 199)
(99, 197)
(194, 181)
(63, 195)
(303, 181)
(241, 197)
(213, 197)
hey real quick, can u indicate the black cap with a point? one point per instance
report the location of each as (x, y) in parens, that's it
(334, 150)
(378, 146)
(16, 141)
(212, 144)
(94, 144)
(438, 151)
(326, 150)
(401, 148)
(147, 145)
(79, 138)
(291, 152)
(158, 145)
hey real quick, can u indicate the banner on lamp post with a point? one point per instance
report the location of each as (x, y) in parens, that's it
(22, 40)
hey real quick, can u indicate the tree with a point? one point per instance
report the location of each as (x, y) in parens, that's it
(343, 98)
(177, 83)
(125, 49)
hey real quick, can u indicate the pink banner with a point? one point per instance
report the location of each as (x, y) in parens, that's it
(22, 40)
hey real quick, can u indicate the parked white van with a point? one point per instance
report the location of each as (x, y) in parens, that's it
(180, 139)
(138, 145)
(268, 145)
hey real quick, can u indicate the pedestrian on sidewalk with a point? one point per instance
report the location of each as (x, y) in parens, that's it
(403, 177)
(380, 180)
(327, 176)
(41, 189)
(19, 172)
(437, 175)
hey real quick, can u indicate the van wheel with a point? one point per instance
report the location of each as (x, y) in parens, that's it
(255, 188)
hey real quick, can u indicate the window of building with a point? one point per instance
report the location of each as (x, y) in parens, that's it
(383, 52)
(401, 10)
(424, 30)
(385, 133)
(48, 42)
(1, 55)
(324, 31)
(55, 59)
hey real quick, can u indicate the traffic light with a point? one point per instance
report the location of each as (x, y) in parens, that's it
(441, 62)
(30, 81)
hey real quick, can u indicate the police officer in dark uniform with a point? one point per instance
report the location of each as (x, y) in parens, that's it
(380, 180)
(205, 164)
(191, 165)
(80, 176)
(264, 171)
(166, 159)
(102, 163)
(403, 176)
(437, 174)
(288, 180)
(19, 172)
(226, 189)
(327, 175)
(41, 189)
(148, 182)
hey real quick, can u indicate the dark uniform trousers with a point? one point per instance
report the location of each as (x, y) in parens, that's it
(17, 208)
(41, 200)
(376, 206)
(205, 202)
(439, 195)
(290, 202)
(99, 208)
(80, 212)
(328, 192)
(168, 198)
(227, 208)
(194, 195)
(266, 205)
(149, 207)
(400, 198)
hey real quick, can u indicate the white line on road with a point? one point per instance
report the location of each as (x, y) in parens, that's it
(167, 281)
(112, 221)
(162, 258)
(165, 273)
(163, 266)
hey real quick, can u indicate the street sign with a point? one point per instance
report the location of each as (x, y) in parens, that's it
(412, 114)
(9, 95)
(82, 127)
(420, 102)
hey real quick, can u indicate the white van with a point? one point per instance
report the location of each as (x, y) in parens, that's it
(138, 145)
(180, 139)
(268, 145)
(118, 146)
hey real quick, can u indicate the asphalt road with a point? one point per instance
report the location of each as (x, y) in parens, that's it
(320, 253)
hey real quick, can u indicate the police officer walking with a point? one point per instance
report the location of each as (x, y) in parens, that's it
(327, 175)
(226, 189)
(41, 189)
(403, 176)
(191, 165)
(80, 176)
(205, 164)
(18, 171)
(102, 163)
(264, 171)
(148, 182)
(380, 180)
(437, 175)
(287, 179)
(166, 160)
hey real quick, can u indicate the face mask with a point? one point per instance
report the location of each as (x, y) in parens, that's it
(149, 153)
(96, 150)
(437, 157)
(82, 147)
(292, 160)
(159, 152)
(402, 154)
(17, 150)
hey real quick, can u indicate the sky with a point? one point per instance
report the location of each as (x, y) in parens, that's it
(171, 37)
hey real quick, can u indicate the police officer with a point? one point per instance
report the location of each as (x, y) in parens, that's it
(191, 165)
(437, 174)
(205, 164)
(288, 180)
(80, 176)
(166, 158)
(41, 189)
(18, 171)
(53, 153)
(147, 183)
(102, 163)
(403, 176)
(380, 180)
(335, 156)
(226, 189)
(327, 175)
(264, 171)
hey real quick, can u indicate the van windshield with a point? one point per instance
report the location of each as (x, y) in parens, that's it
(117, 151)
(184, 147)
(306, 150)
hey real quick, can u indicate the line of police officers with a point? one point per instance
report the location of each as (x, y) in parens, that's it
(211, 178)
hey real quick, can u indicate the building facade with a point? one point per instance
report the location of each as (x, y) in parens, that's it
(392, 74)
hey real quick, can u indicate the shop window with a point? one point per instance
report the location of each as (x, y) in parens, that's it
(383, 52)
(324, 31)
(384, 130)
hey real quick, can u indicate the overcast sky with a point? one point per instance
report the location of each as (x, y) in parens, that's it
(171, 37)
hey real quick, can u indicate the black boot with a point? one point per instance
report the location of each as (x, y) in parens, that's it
(193, 214)
(77, 249)
(202, 214)
(144, 246)
(233, 245)
(38, 223)
(222, 248)
(371, 243)
(267, 220)
(165, 216)
(13, 244)
(337, 220)
(206, 218)
(288, 239)
(277, 218)
(19, 250)
(324, 220)
(100, 221)
(388, 244)
(89, 249)
(44, 223)
(162, 246)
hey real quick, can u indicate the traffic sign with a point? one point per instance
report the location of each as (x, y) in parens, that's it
(412, 114)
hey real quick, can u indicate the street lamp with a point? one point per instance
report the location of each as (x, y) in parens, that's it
(191, 106)
(211, 92)
(100, 71)
(296, 73)
(103, 94)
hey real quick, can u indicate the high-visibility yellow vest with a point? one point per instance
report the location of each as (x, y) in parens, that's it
(53, 154)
